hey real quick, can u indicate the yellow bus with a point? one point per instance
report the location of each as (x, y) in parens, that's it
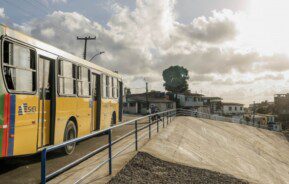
(48, 96)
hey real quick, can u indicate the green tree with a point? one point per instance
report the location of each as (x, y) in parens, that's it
(175, 78)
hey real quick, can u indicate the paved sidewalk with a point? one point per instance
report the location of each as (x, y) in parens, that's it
(76, 174)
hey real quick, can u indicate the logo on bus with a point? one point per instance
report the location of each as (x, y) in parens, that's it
(25, 109)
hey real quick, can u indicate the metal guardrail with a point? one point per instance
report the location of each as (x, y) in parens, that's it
(187, 112)
(153, 119)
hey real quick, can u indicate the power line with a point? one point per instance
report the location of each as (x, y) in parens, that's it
(24, 12)
(37, 6)
(43, 5)
(20, 8)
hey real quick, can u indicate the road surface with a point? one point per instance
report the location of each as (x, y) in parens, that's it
(27, 169)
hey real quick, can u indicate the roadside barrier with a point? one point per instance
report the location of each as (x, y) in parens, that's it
(187, 112)
(165, 117)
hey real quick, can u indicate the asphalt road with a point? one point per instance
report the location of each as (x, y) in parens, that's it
(27, 169)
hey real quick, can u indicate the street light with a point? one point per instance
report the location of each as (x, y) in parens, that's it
(102, 52)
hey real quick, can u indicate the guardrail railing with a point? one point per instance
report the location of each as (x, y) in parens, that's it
(187, 112)
(164, 117)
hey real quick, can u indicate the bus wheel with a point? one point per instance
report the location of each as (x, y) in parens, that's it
(70, 133)
(113, 119)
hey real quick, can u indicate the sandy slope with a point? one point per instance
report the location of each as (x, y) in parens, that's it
(246, 152)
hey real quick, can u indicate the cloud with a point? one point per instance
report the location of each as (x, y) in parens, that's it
(2, 13)
(148, 39)
(59, 1)
(271, 77)
(200, 77)
(218, 28)
(48, 32)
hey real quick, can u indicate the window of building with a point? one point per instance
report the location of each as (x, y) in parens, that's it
(66, 78)
(230, 108)
(83, 81)
(19, 68)
(241, 108)
(235, 108)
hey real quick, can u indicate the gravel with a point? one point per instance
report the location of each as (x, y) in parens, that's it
(144, 168)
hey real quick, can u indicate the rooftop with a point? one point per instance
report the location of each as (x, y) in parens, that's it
(140, 98)
(212, 98)
(232, 103)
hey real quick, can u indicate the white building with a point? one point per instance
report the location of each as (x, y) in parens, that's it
(136, 103)
(232, 109)
(190, 100)
(214, 104)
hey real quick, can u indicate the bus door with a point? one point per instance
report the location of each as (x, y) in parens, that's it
(45, 85)
(96, 99)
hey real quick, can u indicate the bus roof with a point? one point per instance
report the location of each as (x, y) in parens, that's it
(54, 50)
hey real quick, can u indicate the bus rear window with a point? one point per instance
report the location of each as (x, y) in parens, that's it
(19, 68)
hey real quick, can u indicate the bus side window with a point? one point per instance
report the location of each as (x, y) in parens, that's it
(104, 86)
(108, 87)
(19, 67)
(114, 87)
(66, 78)
(84, 84)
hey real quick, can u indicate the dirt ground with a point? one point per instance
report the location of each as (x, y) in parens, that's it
(253, 154)
(26, 169)
(144, 168)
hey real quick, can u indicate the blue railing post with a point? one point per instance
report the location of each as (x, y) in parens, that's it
(150, 127)
(109, 153)
(167, 117)
(43, 166)
(136, 139)
(163, 124)
(158, 124)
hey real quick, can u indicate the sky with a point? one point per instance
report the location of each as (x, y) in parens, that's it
(235, 49)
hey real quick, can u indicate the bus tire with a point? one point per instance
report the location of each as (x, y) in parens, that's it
(113, 118)
(70, 133)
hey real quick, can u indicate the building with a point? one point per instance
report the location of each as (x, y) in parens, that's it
(263, 107)
(232, 109)
(214, 104)
(137, 103)
(190, 100)
(281, 109)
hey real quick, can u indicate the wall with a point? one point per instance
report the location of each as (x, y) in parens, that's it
(227, 111)
(130, 109)
(189, 101)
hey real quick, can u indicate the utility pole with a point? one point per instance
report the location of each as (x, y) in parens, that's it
(85, 43)
(147, 100)
(147, 90)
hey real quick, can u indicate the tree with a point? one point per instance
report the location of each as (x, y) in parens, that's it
(175, 78)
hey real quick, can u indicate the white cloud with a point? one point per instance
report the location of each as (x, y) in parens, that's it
(2, 13)
(59, 1)
(48, 32)
(144, 41)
